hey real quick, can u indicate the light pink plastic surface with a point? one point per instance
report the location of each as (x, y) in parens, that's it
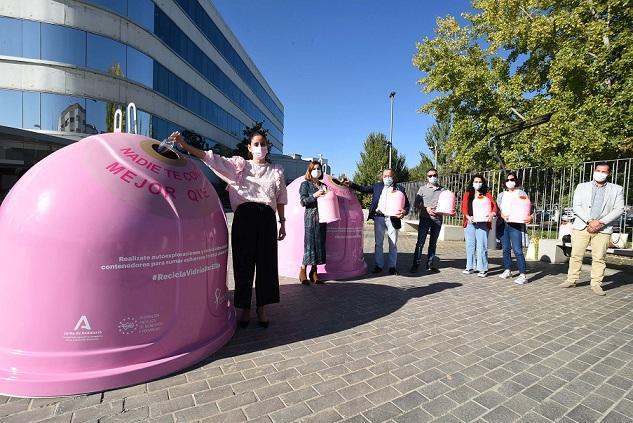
(344, 244)
(446, 203)
(520, 209)
(328, 207)
(113, 263)
(395, 202)
(481, 208)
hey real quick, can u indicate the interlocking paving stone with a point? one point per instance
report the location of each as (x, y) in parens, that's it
(414, 416)
(290, 414)
(581, 413)
(500, 414)
(170, 406)
(328, 400)
(197, 413)
(469, 411)
(263, 408)
(382, 413)
(353, 407)
(445, 347)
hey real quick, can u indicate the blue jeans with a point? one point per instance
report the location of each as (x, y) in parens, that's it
(427, 226)
(476, 235)
(512, 240)
(382, 224)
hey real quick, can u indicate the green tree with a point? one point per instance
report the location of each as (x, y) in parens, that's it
(222, 150)
(564, 57)
(111, 106)
(374, 159)
(418, 173)
(436, 138)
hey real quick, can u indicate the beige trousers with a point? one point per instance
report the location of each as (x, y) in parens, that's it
(579, 242)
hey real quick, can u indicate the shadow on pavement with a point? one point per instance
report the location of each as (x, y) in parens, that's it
(311, 311)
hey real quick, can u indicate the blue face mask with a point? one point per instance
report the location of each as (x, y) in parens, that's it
(432, 180)
(388, 181)
(477, 185)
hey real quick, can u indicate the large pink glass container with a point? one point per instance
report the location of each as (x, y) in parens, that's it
(113, 262)
(344, 244)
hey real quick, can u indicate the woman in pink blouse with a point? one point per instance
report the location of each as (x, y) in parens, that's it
(256, 189)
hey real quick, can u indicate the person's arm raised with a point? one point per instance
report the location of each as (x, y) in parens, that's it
(179, 139)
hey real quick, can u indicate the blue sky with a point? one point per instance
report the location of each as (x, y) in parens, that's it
(333, 63)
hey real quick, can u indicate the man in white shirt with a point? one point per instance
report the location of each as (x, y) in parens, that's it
(597, 204)
(382, 221)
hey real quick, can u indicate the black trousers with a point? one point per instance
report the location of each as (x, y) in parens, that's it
(254, 240)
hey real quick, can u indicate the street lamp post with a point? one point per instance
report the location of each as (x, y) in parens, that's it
(391, 97)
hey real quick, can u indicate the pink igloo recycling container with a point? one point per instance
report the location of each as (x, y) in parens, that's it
(446, 203)
(113, 261)
(481, 208)
(520, 209)
(344, 243)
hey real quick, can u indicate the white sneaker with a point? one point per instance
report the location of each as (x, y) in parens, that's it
(522, 279)
(482, 274)
(506, 274)
(468, 271)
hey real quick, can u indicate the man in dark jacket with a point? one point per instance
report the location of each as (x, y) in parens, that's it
(382, 222)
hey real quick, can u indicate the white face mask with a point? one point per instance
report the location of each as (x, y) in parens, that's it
(477, 185)
(599, 176)
(316, 173)
(388, 180)
(433, 180)
(259, 151)
(510, 184)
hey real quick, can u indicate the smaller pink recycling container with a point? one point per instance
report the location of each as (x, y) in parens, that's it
(328, 207)
(481, 209)
(114, 262)
(395, 202)
(344, 243)
(565, 228)
(446, 203)
(520, 209)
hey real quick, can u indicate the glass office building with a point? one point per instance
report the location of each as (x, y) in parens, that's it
(66, 66)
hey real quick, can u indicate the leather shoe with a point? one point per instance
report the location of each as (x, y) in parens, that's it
(393, 271)
(567, 284)
(598, 290)
(377, 269)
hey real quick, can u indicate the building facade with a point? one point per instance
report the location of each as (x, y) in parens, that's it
(65, 66)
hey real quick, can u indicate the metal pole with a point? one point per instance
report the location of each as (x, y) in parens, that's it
(391, 96)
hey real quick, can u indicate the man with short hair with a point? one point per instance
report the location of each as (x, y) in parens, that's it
(430, 222)
(597, 204)
(383, 222)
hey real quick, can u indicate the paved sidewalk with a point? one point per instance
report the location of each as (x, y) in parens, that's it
(442, 347)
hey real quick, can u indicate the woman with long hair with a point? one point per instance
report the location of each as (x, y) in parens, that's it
(512, 234)
(476, 227)
(314, 237)
(257, 190)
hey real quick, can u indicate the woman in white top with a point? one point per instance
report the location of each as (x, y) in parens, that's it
(256, 189)
(511, 234)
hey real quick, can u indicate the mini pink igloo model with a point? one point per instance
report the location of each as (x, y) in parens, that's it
(344, 243)
(113, 261)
